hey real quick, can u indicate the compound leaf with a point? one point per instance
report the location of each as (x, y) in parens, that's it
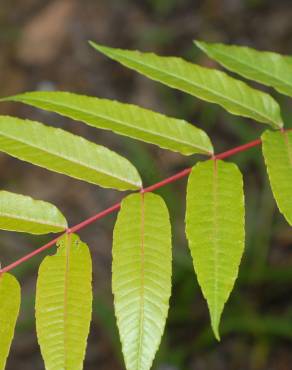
(277, 150)
(208, 84)
(9, 309)
(125, 119)
(24, 214)
(64, 304)
(63, 152)
(141, 276)
(266, 67)
(215, 230)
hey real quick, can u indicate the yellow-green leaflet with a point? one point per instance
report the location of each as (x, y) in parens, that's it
(266, 67)
(64, 305)
(24, 214)
(208, 84)
(63, 152)
(215, 230)
(9, 309)
(141, 277)
(124, 119)
(277, 150)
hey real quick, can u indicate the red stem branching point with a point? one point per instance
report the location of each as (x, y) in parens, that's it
(117, 206)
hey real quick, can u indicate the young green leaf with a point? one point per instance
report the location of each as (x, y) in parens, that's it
(207, 84)
(215, 230)
(63, 152)
(24, 214)
(277, 150)
(9, 309)
(141, 276)
(124, 119)
(64, 304)
(268, 68)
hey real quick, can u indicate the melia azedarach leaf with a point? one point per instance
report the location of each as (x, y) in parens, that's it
(277, 150)
(23, 214)
(141, 279)
(266, 67)
(9, 309)
(64, 304)
(215, 230)
(124, 119)
(208, 84)
(63, 152)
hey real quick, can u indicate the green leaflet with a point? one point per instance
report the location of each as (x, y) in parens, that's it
(24, 214)
(277, 150)
(141, 277)
(63, 152)
(64, 305)
(215, 230)
(268, 68)
(207, 84)
(125, 119)
(9, 309)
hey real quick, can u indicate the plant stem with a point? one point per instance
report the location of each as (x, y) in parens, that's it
(117, 206)
(238, 149)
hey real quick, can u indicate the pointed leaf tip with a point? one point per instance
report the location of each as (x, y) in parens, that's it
(215, 328)
(215, 231)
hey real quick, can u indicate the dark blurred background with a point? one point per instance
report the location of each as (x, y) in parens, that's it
(44, 47)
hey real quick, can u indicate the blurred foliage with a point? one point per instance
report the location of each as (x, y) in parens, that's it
(257, 323)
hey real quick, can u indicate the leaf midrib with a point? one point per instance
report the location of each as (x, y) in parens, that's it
(66, 283)
(101, 116)
(141, 313)
(198, 86)
(215, 242)
(45, 150)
